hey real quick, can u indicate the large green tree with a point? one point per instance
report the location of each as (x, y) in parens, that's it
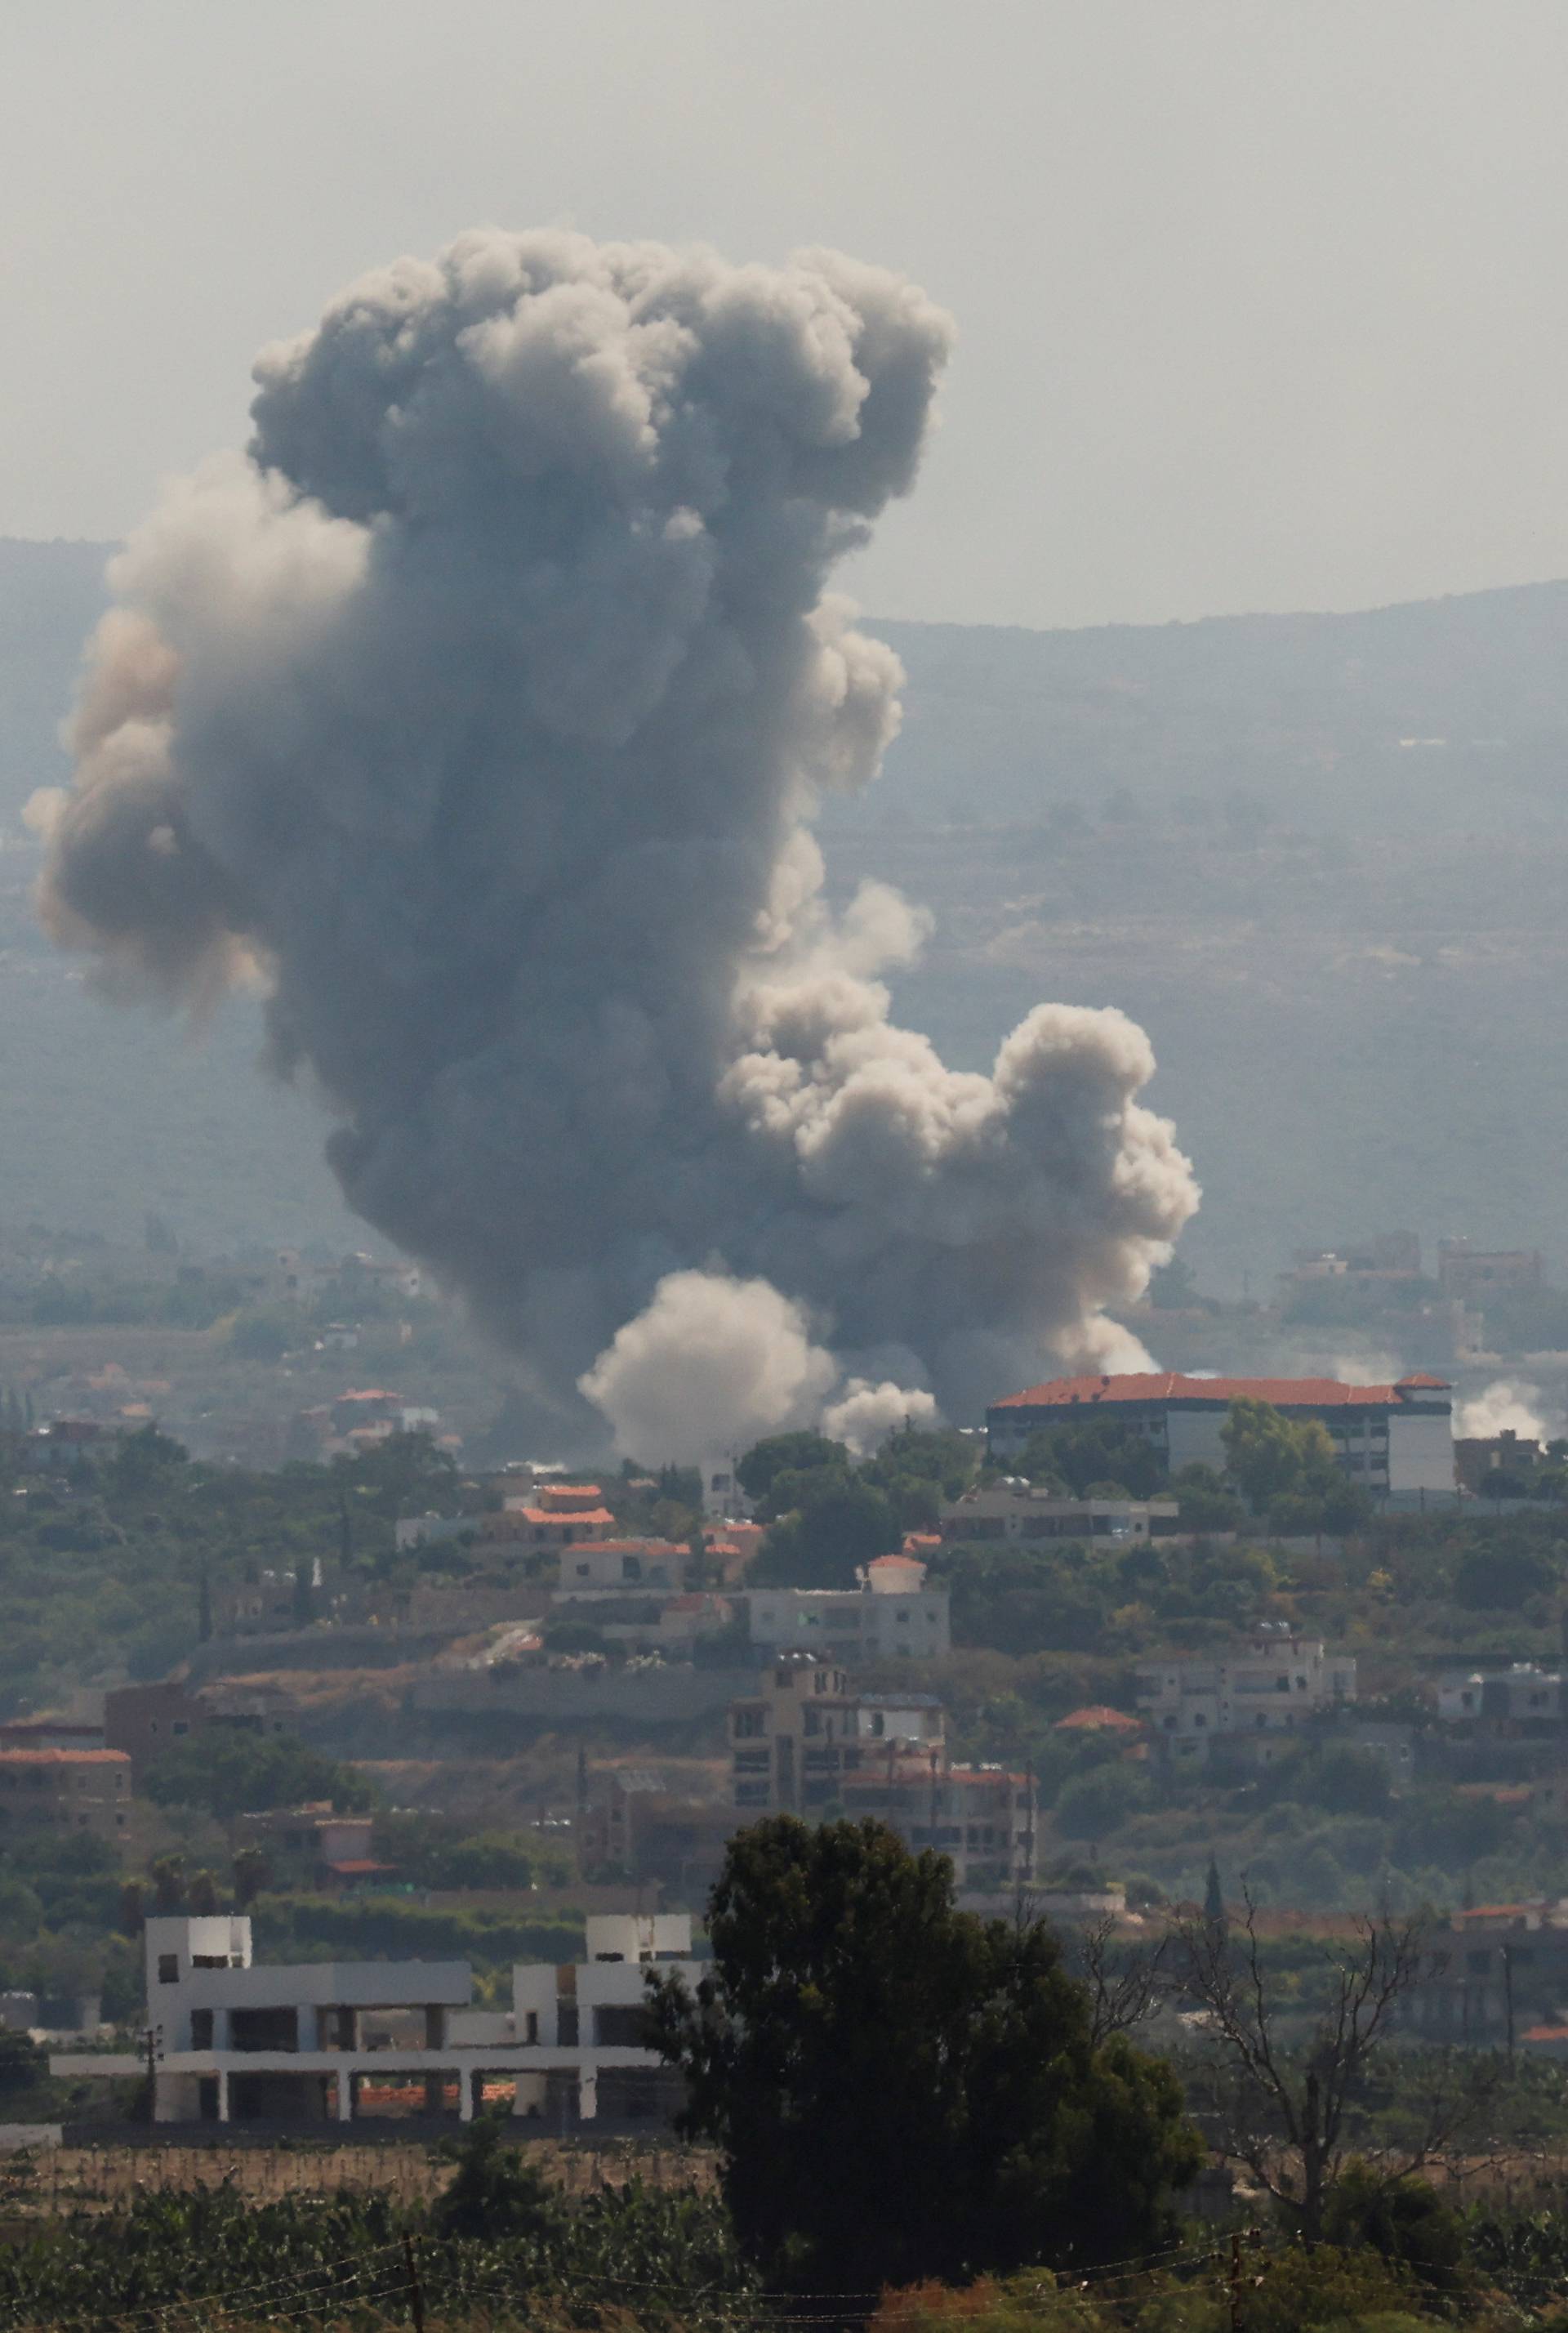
(902, 2090)
(836, 1523)
(1268, 1455)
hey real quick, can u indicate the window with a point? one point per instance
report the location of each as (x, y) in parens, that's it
(168, 1968)
(748, 1724)
(530, 2026)
(201, 2029)
(180, 1726)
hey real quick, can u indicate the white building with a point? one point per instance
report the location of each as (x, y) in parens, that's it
(891, 1615)
(362, 2041)
(1388, 1438)
(1276, 1684)
(1522, 1694)
(1015, 1510)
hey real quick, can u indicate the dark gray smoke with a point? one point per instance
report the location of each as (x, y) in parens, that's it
(482, 707)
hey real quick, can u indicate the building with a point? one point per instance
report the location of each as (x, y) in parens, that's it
(609, 1567)
(65, 1791)
(1388, 1256)
(891, 1615)
(1494, 1975)
(145, 1720)
(637, 1825)
(552, 1514)
(1502, 1462)
(1015, 1510)
(806, 1742)
(354, 2041)
(1388, 1438)
(1472, 1273)
(50, 1733)
(1509, 1699)
(313, 1845)
(1276, 1684)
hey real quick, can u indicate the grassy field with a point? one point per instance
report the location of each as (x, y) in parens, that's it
(46, 2181)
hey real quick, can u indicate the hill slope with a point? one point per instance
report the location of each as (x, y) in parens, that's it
(1321, 858)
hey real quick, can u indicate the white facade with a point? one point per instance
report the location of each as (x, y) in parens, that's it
(1275, 1686)
(868, 1624)
(1016, 1511)
(332, 2041)
(1523, 1693)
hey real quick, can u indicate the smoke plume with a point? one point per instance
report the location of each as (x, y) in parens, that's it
(1508, 1405)
(482, 706)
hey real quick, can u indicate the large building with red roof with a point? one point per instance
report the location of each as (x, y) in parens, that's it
(1390, 1438)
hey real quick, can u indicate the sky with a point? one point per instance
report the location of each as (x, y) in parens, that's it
(1261, 302)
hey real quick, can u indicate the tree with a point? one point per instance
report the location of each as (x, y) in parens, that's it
(1099, 1802)
(784, 1453)
(1284, 2111)
(848, 2001)
(145, 1461)
(167, 1885)
(836, 1522)
(495, 2194)
(1092, 1450)
(253, 1872)
(202, 1896)
(1268, 1455)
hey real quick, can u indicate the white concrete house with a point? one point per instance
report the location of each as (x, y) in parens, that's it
(891, 1615)
(357, 2040)
(1278, 1682)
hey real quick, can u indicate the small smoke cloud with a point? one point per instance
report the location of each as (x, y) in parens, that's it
(484, 704)
(1504, 1406)
(864, 1416)
(712, 1364)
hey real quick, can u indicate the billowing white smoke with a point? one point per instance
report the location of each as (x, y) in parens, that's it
(864, 1416)
(483, 706)
(1504, 1406)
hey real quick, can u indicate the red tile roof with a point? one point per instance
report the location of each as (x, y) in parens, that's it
(64, 1758)
(1098, 1719)
(1281, 1393)
(563, 1515)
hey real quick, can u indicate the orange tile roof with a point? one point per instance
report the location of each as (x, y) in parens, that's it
(64, 1758)
(1280, 1393)
(1098, 1718)
(595, 1515)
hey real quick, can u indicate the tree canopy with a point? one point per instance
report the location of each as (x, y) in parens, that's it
(901, 2090)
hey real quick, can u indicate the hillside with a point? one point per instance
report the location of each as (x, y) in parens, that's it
(1319, 857)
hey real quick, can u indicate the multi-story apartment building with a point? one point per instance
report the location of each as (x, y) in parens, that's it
(891, 1615)
(1490, 1975)
(1275, 1683)
(1388, 1438)
(367, 2039)
(65, 1791)
(806, 1742)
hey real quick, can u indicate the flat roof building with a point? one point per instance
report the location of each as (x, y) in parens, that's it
(346, 2041)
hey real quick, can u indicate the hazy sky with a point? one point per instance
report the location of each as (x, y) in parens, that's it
(1262, 302)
